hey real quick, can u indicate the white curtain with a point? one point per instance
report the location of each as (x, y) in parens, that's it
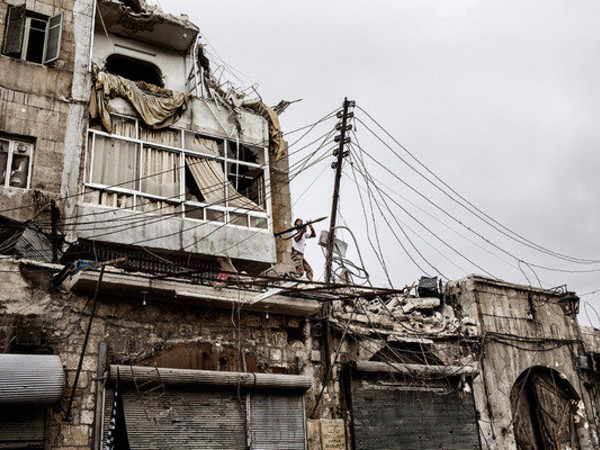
(114, 163)
(169, 137)
(123, 127)
(210, 176)
(160, 172)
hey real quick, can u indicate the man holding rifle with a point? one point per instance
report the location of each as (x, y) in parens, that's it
(298, 246)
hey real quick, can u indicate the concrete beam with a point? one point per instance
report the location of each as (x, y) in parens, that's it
(140, 287)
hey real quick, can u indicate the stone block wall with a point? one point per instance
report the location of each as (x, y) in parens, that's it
(519, 328)
(43, 103)
(175, 335)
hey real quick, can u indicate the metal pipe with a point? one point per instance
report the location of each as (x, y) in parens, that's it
(210, 378)
(412, 370)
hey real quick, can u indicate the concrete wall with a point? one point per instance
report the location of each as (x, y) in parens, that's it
(547, 337)
(173, 66)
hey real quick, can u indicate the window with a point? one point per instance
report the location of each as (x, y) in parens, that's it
(178, 172)
(15, 163)
(32, 36)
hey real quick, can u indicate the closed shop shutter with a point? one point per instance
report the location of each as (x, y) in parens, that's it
(195, 420)
(20, 425)
(386, 417)
(277, 422)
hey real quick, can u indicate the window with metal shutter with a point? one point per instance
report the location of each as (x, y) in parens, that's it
(277, 422)
(22, 425)
(392, 418)
(15, 28)
(182, 420)
(53, 38)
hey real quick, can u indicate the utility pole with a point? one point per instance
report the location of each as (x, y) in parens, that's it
(343, 126)
(340, 153)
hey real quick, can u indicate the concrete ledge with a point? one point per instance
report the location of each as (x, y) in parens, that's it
(140, 287)
(175, 234)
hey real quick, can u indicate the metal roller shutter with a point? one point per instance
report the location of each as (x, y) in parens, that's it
(395, 417)
(196, 420)
(22, 424)
(277, 422)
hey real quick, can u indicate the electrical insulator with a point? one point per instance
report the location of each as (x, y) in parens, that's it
(340, 114)
(339, 138)
(338, 127)
(337, 152)
(334, 164)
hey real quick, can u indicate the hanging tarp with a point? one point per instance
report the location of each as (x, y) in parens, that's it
(158, 107)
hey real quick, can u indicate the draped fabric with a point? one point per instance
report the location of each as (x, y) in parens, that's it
(210, 176)
(159, 108)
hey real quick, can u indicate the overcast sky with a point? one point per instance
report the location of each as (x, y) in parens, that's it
(501, 99)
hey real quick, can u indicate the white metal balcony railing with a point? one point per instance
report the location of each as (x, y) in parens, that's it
(178, 173)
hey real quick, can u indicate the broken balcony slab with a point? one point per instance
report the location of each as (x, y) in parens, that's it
(140, 287)
(152, 26)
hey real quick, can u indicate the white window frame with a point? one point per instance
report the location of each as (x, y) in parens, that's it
(181, 201)
(12, 143)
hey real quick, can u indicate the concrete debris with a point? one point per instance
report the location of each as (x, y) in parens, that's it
(403, 315)
(420, 303)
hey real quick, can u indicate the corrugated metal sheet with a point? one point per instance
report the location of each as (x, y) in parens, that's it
(277, 422)
(22, 423)
(30, 379)
(396, 418)
(213, 378)
(196, 420)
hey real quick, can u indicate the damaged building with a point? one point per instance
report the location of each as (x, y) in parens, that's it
(138, 207)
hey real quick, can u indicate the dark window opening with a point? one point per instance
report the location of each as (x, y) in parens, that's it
(134, 69)
(248, 182)
(35, 41)
(192, 191)
(407, 352)
(245, 153)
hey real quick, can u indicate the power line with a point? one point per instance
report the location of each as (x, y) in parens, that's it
(518, 237)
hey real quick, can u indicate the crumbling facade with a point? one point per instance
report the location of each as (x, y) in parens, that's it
(138, 206)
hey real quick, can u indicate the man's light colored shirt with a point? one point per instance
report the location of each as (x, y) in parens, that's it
(300, 245)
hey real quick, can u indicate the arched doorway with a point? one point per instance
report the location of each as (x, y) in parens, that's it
(543, 406)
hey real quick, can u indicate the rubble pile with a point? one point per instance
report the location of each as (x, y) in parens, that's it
(403, 315)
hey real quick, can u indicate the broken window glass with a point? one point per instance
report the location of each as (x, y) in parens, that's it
(245, 153)
(249, 183)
